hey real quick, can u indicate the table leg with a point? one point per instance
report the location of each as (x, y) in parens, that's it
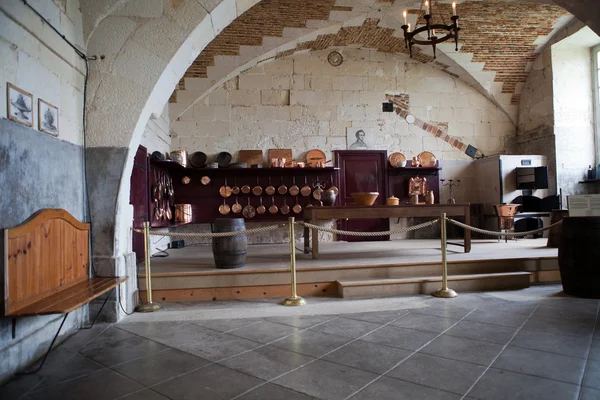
(315, 240)
(467, 231)
(306, 239)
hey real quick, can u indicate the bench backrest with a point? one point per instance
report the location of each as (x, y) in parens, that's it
(46, 254)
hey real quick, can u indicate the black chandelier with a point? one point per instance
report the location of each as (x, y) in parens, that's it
(449, 31)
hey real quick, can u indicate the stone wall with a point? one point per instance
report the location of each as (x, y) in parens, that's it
(38, 170)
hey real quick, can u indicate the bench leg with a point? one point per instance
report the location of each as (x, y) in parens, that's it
(49, 348)
(99, 311)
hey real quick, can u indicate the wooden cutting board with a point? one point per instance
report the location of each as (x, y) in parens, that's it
(251, 157)
(281, 153)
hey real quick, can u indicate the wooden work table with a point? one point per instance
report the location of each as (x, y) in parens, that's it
(315, 214)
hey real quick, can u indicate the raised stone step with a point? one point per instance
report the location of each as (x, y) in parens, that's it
(429, 284)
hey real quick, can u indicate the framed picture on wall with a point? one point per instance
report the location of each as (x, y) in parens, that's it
(360, 138)
(20, 105)
(47, 118)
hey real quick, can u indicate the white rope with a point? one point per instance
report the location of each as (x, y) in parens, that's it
(213, 235)
(493, 233)
(369, 234)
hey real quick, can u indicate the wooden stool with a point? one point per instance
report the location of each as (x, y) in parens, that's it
(554, 232)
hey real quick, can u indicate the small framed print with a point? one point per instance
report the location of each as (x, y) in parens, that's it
(20, 105)
(47, 118)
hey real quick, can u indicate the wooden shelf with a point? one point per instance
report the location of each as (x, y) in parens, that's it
(173, 166)
(590, 181)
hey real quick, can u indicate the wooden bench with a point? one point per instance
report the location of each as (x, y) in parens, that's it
(47, 268)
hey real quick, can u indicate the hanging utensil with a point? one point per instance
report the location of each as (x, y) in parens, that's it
(273, 208)
(224, 208)
(270, 190)
(249, 211)
(297, 207)
(261, 209)
(225, 191)
(282, 189)
(205, 180)
(285, 209)
(237, 207)
(156, 210)
(235, 189)
(305, 191)
(318, 190)
(294, 189)
(246, 189)
(257, 190)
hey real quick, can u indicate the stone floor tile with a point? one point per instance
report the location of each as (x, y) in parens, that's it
(275, 392)
(158, 367)
(502, 385)
(123, 350)
(264, 332)
(311, 343)
(100, 385)
(224, 325)
(592, 375)
(109, 336)
(171, 334)
(564, 311)
(68, 366)
(441, 308)
(304, 321)
(371, 357)
(326, 380)
(393, 389)
(19, 385)
(539, 363)
(517, 307)
(440, 373)
(402, 338)
(82, 337)
(568, 345)
(216, 346)
(423, 322)
(561, 327)
(463, 349)
(486, 332)
(213, 382)
(589, 394)
(266, 362)
(146, 394)
(380, 317)
(495, 317)
(346, 327)
(595, 350)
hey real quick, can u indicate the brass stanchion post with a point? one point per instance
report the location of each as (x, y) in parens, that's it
(444, 292)
(149, 306)
(294, 300)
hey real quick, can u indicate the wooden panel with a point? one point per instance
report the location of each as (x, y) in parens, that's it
(68, 300)
(280, 153)
(251, 157)
(44, 255)
(242, 292)
(138, 198)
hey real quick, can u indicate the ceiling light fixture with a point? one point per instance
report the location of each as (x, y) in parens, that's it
(446, 31)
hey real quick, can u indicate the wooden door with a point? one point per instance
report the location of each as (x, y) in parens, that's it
(138, 198)
(362, 171)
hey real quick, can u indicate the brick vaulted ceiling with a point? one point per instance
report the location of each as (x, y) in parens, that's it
(500, 34)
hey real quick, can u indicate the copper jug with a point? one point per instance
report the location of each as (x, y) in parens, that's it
(429, 197)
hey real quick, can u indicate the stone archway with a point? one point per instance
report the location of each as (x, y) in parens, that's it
(147, 46)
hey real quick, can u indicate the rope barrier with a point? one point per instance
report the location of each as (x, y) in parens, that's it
(382, 233)
(215, 234)
(493, 233)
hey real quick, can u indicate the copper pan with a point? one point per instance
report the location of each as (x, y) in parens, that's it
(246, 189)
(294, 189)
(285, 209)
(305, 191)
(257, 190)
(297, 207)
(261, 209)
(225, 191)
(235, 189)
(273, 208)
(270, 190)
(282, 189)
(224, 208)
(249, 211)
(237, 207)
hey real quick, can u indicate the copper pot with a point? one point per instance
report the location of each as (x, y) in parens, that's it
(270, 190)
(294, 189)
(235, 189)
(246, 189)
(297, 207)
(305, 191)
(285, 209)
(273, 208)
(257, 190)
(237, 207)
(282, 189)
(261, 209)
(225, 191)
(249, 211)
(224, 208)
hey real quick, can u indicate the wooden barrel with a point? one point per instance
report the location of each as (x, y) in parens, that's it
(578, 255)
(554, 232)
(230, 251)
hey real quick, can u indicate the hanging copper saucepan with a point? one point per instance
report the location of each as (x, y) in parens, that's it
(225, 191)
(294, 189)
(257, 190)
(305, 191)
(248, 211)
(237, 207)
(282, 189)
(235, 189)
(270, 190)
(285, 209)
(273, 208)
(205, 180)
(224, 208)
(297, 207)
(261, 209)
(246, 189)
